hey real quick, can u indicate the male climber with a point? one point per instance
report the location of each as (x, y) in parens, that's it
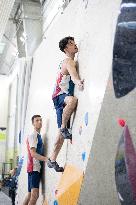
(63, 99)
(35, 149)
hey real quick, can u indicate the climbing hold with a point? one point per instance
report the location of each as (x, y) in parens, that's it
(55, 202)
(56, 192)
(86, 118)
(83, 156)
(80, 130)
(125, 164)
(121, 122)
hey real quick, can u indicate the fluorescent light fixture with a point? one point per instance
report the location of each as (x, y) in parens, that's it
(22, 39)
(24, 35)
(2, 46)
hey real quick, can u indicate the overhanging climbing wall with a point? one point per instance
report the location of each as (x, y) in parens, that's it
(93, 24)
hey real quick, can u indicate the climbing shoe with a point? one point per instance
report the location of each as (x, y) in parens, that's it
(65, 133)
(55, 166)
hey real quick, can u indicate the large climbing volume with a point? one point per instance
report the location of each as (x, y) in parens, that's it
(125, 167)
(124, 54)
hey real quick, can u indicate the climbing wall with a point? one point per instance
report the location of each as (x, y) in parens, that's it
(112, 160)
(93, 24)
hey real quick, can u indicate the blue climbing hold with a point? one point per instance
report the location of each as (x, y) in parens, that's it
(20, 137)
(83, 156)
(55, 202)
(86, 118)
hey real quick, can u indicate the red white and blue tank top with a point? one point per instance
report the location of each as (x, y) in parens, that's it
(64, 84)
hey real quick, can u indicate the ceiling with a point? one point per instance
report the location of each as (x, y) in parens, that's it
(11, 28)
(5, 9)
(8, 40)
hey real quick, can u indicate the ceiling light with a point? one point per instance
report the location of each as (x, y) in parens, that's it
(22, 39)
(2, 46)
(24, 35)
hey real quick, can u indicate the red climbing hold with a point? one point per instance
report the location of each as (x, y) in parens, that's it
(121, 122)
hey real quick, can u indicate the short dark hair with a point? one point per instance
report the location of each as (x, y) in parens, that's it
(34, 116)
(63, 42)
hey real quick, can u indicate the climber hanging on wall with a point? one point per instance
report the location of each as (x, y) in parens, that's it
(63, 99)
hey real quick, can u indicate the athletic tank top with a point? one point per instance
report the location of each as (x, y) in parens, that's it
(64, 84)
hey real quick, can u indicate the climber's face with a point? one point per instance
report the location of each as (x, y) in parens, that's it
(71, 47)
(37, 123)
